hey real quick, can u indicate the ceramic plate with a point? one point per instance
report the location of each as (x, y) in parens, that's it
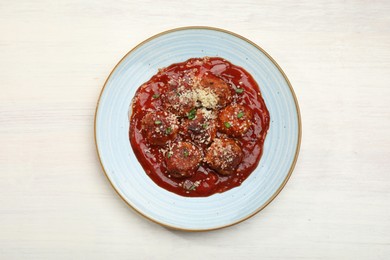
(128, 177)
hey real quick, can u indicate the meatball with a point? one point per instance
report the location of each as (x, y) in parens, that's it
(201, 127)
(183, 159)
(180, 101)
(159, 127)
(219, 88)
(224, 156)
(235, 120)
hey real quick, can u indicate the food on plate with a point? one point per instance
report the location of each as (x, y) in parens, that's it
(224, 155)
(183, 159)
(202, 129)
(235, 120)
(218, 88)
(159, 127)
(198, 127)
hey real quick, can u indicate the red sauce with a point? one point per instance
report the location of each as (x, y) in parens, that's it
(153, 160)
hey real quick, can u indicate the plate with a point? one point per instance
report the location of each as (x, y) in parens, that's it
(126, 175)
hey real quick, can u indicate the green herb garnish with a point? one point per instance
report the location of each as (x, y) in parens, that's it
(169, 155)
(227, 124)
(191, 114)
(168, 130)
(185, 153)
(156, 95)
(239, 90)
(205, 126)
(193, 187)
(241, 114)
(157, 122)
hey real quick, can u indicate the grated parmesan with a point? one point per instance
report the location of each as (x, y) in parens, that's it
(207, 98)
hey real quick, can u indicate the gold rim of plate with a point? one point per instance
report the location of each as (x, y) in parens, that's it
(297, 110)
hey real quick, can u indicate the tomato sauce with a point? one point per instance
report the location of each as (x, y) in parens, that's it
(147, 98)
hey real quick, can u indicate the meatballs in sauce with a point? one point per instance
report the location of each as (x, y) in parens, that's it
(198, 127)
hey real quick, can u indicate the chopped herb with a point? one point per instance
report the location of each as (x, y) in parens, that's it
(191, 114)
(169, 155)
(241, 114)
(168, 130)
(239, 90)
(205, 126)
(185, 153)
(227, 124)
(193, 187)
(157, 122)
(156, 95)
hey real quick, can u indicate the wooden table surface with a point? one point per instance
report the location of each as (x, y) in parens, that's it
(55, 201)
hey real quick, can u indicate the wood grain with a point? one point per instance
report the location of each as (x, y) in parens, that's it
(55, 202)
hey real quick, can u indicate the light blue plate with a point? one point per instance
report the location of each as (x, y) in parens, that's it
(126, 174)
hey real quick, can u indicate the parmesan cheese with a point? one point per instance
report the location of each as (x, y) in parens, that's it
(208, 114)
(207, 98)
(198, 94)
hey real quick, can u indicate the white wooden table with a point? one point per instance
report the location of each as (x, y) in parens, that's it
(55, 201)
